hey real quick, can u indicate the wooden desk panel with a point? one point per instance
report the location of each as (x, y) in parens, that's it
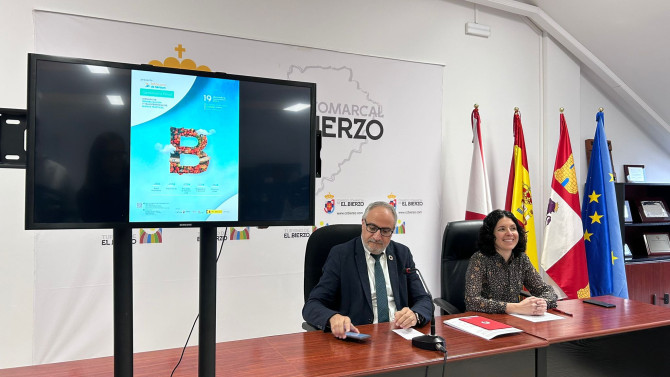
(628, 340)
(252, 357)
(100, 367)
(309, 354)
(318, 353)
(591, 321)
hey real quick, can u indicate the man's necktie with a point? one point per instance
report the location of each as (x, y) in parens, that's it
(380, 287)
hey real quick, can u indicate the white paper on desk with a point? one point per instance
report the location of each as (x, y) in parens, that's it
(539, 318)
(408, 333)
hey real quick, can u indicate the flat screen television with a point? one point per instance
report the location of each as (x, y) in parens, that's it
(123, 145)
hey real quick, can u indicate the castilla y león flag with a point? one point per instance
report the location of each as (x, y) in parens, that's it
(563, 254)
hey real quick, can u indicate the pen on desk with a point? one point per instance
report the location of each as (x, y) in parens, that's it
(562, 312)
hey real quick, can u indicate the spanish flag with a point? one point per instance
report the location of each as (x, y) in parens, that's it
(519, 200)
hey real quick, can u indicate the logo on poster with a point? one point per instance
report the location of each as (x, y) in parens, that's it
(410, 206)
(400, 229)
(298, 233)
(108, 239)
(151, 235)
(330, 203)
(392, 200)
(350, 206)
(239, 234)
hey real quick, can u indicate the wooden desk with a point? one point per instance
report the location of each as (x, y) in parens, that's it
(630, 339)
(313, 354)
(320, 354)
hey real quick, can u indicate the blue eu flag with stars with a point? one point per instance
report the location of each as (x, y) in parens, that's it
(602, 234)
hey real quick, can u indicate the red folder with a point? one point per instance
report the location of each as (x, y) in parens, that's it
(485, 323)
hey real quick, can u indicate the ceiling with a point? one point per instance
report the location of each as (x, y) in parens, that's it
(629, 40)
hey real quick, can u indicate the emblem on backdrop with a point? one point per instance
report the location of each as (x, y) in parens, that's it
(329, 207)
(151, 235)
(173, 62)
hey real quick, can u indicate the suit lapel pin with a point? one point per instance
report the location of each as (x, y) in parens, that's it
(390, 257)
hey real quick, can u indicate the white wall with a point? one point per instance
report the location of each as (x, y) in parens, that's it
(516, 66)
(561, 82)
(499, 73)
(630, 144)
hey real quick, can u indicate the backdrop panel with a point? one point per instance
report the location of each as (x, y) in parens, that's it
(381, 121)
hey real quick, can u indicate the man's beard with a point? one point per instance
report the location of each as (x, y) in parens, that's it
(374, 247)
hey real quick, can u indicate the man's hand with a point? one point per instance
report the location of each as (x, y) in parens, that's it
(405, 318)
(340, 324)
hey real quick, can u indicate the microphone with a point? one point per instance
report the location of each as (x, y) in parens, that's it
(430, 342)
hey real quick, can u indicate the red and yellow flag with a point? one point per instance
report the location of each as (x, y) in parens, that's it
(519, 200)
(564, 254)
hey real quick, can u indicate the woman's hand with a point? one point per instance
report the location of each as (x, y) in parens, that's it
(529, 306)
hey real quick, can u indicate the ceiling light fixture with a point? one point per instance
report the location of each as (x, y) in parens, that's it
(297, 107)
(115, 100)
(97, 69)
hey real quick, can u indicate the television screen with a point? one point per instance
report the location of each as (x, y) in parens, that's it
(117, 145)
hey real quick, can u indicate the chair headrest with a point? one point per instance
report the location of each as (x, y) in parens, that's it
(334, 234)
(460, 239)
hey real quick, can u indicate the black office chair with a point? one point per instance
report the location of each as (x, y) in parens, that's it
(316, 252)
(459, 242)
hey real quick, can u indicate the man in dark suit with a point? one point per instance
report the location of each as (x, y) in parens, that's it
(359, 271)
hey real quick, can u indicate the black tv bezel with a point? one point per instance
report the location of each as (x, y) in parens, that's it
(31, 224)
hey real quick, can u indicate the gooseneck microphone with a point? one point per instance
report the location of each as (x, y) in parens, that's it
(430, 342)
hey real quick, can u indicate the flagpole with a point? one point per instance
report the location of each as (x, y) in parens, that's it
(473, 134)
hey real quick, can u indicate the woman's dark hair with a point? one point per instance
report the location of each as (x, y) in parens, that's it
(487, 237)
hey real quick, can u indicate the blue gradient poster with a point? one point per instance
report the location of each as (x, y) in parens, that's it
(184, 147)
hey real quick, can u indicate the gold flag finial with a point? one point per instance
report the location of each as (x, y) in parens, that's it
(561, 109)
(516, 110)
(476, 106)
(601, 109)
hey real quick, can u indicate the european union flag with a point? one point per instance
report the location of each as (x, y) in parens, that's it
(602, 234)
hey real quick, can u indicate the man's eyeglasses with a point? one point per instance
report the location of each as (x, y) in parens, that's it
(372, 228)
